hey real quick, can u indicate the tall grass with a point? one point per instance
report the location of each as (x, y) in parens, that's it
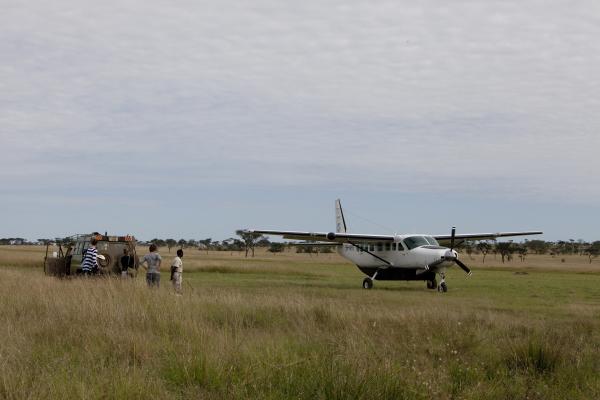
(241, 335)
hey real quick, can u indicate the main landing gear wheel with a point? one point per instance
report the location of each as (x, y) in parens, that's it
(432, 284)
(367, 283)
(443, 287)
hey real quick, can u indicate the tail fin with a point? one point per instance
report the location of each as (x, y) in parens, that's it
(340, 222)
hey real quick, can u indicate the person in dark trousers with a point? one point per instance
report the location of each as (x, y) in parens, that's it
(126, 263)
(152, 263)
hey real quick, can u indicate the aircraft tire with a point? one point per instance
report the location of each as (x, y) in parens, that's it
(443, 287)
(432, 284)
(367, 283)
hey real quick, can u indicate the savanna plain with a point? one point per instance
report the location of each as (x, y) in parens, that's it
(295, 326)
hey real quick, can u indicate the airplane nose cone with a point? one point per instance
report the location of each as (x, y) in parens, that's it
(450, 254)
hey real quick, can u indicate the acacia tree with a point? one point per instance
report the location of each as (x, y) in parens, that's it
(170, 243)
(249, 239)
(468, 246)
(594, 250)
(522, 250)
(276, 247)
(537, 246)
(484, 248)
(505, 249)
(206, 243)
(158, 242)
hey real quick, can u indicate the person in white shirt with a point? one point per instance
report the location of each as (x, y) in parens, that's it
(176, 271)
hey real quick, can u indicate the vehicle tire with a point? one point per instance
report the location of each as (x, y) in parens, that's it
(431, 284)
(444, 287)
(367, 283)
(104, 264)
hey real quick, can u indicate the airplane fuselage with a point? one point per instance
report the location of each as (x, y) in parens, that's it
(400, 260)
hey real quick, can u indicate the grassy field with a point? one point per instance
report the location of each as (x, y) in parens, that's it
(292, 326)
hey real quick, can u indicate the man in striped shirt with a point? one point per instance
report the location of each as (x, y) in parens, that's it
(89, 264)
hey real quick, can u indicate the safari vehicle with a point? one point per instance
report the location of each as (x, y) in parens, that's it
(67, 260)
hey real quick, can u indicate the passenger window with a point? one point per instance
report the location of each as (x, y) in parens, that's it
(394, 246)
(379, 246)
(400, 248)
(387, 246)
(371, 247)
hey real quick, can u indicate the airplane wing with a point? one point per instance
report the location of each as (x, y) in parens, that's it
(483, 236)
(331, 237)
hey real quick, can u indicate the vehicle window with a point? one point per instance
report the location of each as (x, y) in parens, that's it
(415, 241)
(371, 247)
(379, 246)
(400, 248)
(432, 240)
(394, 246)
(387, 246)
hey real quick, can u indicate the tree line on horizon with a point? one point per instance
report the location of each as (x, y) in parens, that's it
(247, 242)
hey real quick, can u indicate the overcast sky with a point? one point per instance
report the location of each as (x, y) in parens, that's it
(191, 119)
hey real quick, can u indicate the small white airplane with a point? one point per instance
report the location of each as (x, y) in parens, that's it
(409, 257)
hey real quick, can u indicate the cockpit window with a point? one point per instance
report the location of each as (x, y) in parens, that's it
(432, 241)
(415, 241)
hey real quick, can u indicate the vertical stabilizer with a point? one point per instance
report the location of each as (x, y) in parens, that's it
(340, 222)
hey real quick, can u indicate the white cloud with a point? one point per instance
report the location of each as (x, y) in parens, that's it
(420, 97)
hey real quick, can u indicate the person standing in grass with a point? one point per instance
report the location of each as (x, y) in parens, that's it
(152, 262)
(126, 263)
(176, 271)
(89, 264)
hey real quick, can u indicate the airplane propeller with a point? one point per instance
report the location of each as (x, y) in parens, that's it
(454, 258)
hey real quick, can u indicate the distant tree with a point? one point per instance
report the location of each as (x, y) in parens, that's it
(233, 244)
(170, 243)
(192, 243)
(594, 250)
(581, 246)
(45, 241)
(522, 251)
(158, 242)
(484, 248)
(182, 243)
(468, 246)
(306, 248)
(263, 242)
(505, 249)
(537, 246)
(276, 247)
(249, 239)
(206, 243)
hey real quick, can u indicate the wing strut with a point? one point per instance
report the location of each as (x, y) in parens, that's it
(368, 252)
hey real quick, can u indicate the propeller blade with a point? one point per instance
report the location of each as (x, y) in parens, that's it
(452, 238)
(463, 266)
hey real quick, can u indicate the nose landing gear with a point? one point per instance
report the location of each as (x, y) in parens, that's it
(442, 287)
